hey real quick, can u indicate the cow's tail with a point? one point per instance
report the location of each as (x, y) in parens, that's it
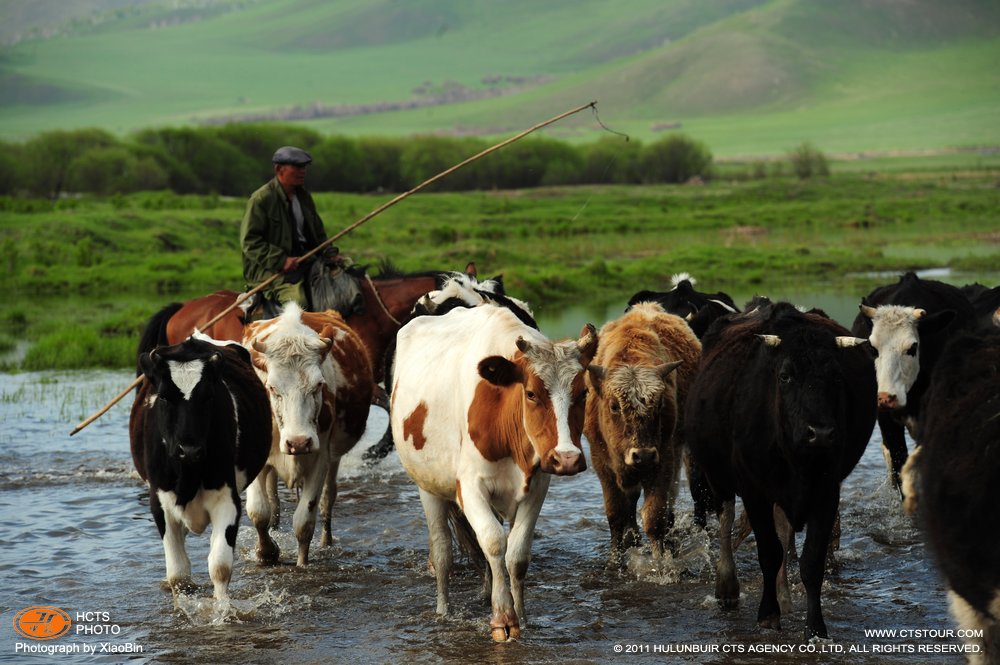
(155, 333)
(466, 536)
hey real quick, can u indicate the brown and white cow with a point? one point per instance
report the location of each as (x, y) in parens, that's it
(645, 362)
(484, 408)
(319, 383)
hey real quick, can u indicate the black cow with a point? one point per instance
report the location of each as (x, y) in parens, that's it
(985, 304)
(908, 325)
(958, 474)
(780, 412)
(200, 432)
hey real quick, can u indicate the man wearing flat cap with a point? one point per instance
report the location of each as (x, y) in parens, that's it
(279, 226)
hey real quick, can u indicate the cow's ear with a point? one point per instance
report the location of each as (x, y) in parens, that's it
(499, 282)
(930, 324)
(470, 270)
(499, 371)
(595, 377)
(240, 351)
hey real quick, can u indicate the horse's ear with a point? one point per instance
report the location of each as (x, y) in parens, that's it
(470, 270)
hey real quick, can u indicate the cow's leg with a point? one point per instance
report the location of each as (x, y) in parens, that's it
(304, 519)
(224, 513)
(787, 536)
(658, 507)
(769, 554)
(894, 443)
(439, 543)
(259, 510)
(727, 586)
(272, 497)
(174, 554)
(813, 560)
(493, 542)
(522, 532)
(620, 506)
(701, 493)
(326, 503)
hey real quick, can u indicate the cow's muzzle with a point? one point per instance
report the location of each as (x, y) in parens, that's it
(565, 464)
(820, 437)
(642, 458)
(189, 454)
(888, 402)
(299, 445)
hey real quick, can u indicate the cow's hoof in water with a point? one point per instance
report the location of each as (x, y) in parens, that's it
(772, 622)
(267, 553)
(505, 633)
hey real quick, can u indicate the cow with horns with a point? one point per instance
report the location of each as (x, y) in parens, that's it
(645, 362)
(908, 325)
(779, 413)
(483, 409)
(199, 432)
(319, 384)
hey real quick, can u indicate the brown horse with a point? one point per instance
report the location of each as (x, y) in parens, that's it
(388, 301)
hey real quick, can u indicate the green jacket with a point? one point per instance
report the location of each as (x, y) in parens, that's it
(266, 235)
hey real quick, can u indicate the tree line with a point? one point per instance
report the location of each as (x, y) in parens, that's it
(234, 160)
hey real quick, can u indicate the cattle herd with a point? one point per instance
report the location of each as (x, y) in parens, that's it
(770, 402)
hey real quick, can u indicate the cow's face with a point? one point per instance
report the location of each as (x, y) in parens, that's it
(291, 369)
(637, 412)
(809, 384)
(183, 406)
(550, 382)
(895, 339)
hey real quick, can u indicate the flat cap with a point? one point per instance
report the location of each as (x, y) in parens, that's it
(291, 155)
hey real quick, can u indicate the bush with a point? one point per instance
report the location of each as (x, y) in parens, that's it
(114, 170)
(675, 159)
(338, 166)
(807, 161)
(611, 161)
(382, 157)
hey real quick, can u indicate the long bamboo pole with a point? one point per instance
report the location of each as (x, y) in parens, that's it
(323, 245)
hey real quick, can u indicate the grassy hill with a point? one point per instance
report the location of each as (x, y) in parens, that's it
(744, 76)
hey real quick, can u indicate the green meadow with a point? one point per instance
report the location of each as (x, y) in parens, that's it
(81, 276)
(747, 77)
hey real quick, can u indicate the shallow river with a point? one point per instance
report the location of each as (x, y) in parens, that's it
(77, 535)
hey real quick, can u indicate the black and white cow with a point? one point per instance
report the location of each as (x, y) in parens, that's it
(780, 412)
(958, 472)
(200, 432)
(908, 325)
(697, 308)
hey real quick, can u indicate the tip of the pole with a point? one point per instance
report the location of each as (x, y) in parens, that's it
(75, 430)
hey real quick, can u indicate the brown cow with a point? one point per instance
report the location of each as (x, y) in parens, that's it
(633, 419)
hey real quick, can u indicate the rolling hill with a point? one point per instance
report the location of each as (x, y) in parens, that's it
(747, 77)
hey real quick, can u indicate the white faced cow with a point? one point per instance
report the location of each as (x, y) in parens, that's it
(483, 409)
(319, 382)
(199, 432)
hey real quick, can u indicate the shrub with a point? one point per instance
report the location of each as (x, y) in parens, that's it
(675, 159)
(807, 161)
(611, 161)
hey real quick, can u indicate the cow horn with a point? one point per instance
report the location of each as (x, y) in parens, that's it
(587, 336)
(666, 368)
(259, 347)
(996, 317)
(846, 342)
(770, 340)
(919, 313)
(689, 317)
(215, 358)
(867, 310)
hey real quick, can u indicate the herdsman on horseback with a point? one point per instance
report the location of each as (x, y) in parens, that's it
(280, 225)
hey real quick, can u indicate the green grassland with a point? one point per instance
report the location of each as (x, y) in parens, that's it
(747, 77)
(82, 276)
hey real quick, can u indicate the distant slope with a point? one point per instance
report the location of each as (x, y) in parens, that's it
(746, 76)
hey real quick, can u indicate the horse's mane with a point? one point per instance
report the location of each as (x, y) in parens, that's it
(389, 270)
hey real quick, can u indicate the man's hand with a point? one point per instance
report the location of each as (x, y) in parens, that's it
(290, 264)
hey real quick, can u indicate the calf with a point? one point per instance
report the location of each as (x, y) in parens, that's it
(697, 308)
(780, 413)
(199, 433)
(639, 379)
(319, 383)
(908, 324)
(483, 409)
(958, 473)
